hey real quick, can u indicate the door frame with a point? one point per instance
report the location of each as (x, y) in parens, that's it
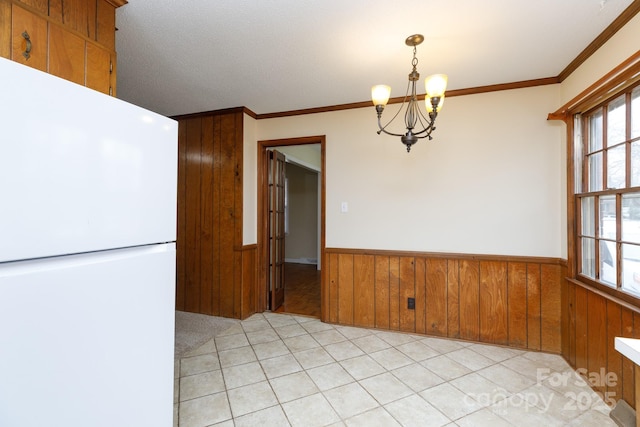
(263, 215)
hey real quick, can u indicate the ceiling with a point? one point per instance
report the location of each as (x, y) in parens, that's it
(282, 55)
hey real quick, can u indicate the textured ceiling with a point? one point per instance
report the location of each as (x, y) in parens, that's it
(281, 55)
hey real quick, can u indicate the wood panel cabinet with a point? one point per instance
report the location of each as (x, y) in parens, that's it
(41, 6)
(79, 15)
(29, 44)
(106, 24)
(66, 55)
(72, 39)
(99, 71)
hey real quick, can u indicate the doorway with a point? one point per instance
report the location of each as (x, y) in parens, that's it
(273, 271)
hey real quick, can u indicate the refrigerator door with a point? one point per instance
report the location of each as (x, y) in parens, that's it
(80, 171)
(87, 340)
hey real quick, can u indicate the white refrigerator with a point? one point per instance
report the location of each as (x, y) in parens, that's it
(87, 256)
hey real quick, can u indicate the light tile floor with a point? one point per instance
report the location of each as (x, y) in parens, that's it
(283, 370)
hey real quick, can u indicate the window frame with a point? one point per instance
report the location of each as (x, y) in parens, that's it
(621, 77)
(580, 186)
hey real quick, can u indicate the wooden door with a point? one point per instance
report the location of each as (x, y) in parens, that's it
(276, 229)
(29, 39)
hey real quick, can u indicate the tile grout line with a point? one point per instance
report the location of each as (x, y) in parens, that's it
(387, 368)
(266, 377)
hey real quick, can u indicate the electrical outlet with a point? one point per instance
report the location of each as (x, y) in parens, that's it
(411, 303)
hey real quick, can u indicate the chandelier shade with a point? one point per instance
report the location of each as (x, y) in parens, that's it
(380, 94)
(435, 85)
(414, 116)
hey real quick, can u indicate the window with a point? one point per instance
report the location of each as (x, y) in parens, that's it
(607, 191)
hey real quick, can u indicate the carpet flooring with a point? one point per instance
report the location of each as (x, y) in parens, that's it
(193, 330)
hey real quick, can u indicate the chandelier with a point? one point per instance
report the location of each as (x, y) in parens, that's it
(435, 87)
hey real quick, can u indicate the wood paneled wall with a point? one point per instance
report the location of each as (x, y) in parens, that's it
(215, 273)
(590, 322)
(94, 19)
(513, 301)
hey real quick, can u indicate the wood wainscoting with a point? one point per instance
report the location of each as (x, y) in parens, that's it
(590, 322)
(512, 301)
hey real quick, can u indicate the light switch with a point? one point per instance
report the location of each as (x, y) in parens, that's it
(344, 207)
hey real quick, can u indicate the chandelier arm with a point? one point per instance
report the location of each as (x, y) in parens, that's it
(429, 120)
(424, 129)
(410, 115)
(383, 128)
(432, 127)
(428, 131)
(420, 117)
(429, 127)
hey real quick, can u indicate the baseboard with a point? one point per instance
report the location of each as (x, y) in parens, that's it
(301, 260)
(623, 414)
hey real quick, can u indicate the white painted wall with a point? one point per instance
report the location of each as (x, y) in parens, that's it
(304, 155)
(301, 243)
(493, 180)
(250, 183)
(489, 183)
(621, 46)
